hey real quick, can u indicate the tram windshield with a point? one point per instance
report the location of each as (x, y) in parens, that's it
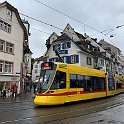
(46, 76)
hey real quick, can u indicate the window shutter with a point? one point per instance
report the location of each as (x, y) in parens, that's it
(68, 59)
(57, 59)
(69, 44)
(63, 46)
(50, 60)
(77, 58)
(59, 46)
(53, 47)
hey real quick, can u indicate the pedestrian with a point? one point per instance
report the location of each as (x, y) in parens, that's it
(15, 90)
(12, 90)
(4, 92)
(34, 86)
(30, 86)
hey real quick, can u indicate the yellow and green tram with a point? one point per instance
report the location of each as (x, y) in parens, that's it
(61, 83)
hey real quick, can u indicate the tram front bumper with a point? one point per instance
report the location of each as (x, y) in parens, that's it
(40, 100)
(49, 100)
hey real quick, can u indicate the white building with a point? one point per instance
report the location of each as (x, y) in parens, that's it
(13, 37)
(77, 49)
(37, 68)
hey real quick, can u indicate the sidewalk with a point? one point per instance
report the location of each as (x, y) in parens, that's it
(27, 96)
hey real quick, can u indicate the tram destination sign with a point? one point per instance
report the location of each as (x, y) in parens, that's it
(47, 66)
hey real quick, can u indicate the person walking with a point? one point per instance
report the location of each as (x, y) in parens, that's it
(34, 86)
(30, 86)
(15, 90)
(12, 90)
(4, 92)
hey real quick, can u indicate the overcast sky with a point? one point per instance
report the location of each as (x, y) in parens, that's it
(99, 14)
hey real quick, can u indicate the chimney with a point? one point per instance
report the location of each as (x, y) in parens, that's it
(85, 35)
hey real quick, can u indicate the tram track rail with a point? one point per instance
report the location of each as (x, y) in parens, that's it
(55, 120)
(15, 106)
(54, 117)
(82, 114)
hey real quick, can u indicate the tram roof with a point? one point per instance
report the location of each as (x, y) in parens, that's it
(75, 69)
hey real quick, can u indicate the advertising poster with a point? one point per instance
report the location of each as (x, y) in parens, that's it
(111, 81)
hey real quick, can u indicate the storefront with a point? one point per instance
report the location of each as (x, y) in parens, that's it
(7, 81)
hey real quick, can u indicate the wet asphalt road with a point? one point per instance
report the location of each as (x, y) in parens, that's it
(102, 111)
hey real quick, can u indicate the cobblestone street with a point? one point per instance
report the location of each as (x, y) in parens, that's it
(101, 111)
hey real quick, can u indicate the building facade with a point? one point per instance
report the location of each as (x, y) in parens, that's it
(115, 56)
(75, 48)
(13, 40)
(37, 68)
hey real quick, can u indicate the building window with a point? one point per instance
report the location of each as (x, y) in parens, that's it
(88, 46)
(89, 61)
(8, 12)
(5, 26)
(8, 67)
(56, 47)
(73, 59)
(64, 45)
(35, 71)
(36, 66)
(9, 28)
(102, 62)
(9, 47)
(2, 45)
(1, 24)
(1, 66)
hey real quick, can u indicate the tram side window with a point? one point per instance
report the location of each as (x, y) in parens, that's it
(94, 83)
(59, 81)
(89, 83)
(73, 81)
(119, 84)
(100, 84)
(81, 81)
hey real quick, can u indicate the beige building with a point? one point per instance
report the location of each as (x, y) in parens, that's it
(116, 55)
(13, 42)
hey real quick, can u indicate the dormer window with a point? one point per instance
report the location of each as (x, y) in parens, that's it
(68, 28)
(9, 13)
(66, 45)
(89, 61)
(88, 46)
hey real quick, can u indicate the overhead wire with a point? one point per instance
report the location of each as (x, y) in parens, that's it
(41, 31)
(58, 27)
(71, 18)
(45, 23)
(67, 15)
